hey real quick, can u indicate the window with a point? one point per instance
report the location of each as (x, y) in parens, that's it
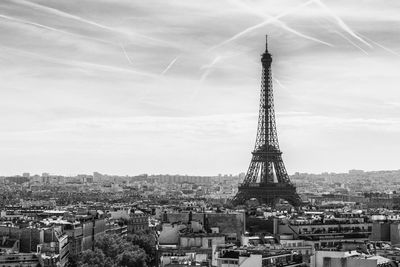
(209, 243)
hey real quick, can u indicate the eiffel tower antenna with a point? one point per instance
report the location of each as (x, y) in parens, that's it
(267, 179)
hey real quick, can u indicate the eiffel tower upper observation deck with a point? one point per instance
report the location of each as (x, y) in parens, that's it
(266, 178)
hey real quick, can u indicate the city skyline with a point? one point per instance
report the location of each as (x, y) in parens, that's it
(173, 87)
(54, 174)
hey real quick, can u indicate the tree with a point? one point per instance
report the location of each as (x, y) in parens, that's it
(90, 258)
(111, 245)
(113, 251)
(146, 241)
(133, 258)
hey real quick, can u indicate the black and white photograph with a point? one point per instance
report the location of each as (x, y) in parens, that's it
(208, 133)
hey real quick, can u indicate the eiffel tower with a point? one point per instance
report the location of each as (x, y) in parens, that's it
(267, 179)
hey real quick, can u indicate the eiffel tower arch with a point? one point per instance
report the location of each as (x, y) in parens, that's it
(267, 179)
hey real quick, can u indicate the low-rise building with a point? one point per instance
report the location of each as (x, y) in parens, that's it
(258, 257)
(349, 259)
(19, 260)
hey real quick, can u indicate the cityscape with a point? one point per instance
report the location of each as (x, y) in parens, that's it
(292, 205)
(55, 220)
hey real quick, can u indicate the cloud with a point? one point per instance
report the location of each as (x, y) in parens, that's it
(391, 51)
(300, 120)
(208, 68)
(71, 91)
(67, 15)
(169, 65)
(278, 22)
(262, 24)
(351, 42)
(341, 23)
(80, 64)
(126, 55)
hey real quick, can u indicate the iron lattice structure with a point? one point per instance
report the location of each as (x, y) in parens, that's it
(267, 179)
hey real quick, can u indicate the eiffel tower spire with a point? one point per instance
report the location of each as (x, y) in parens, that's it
(266, 178)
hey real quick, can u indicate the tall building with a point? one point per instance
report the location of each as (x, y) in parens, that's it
(266, 178)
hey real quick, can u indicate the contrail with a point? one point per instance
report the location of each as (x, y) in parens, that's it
(266, 22)
(81, 64)
(34, 24)
(169, 65)
(340, 22)
(283, 25)
(216, 59)
(90, 22)
(280, 23)
(279, 83)
(205, 74)
(351, 42)
(209, 68)
(126, 55)
(108, 68)
(54, 29)
(63, 14)
(381, 46)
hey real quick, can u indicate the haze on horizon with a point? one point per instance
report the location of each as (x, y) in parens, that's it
(130, 87)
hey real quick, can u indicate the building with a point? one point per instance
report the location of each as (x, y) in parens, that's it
(19, 260)
(261, 257)
(9, 246)
(28, 238)
(82, 234)
(324, 232)
(348, 259)
(138, 221)
(198, 248)
(231, 224)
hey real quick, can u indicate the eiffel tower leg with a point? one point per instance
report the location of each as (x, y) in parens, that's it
(238, 199)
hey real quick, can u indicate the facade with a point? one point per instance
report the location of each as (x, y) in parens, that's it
(381, 231)
(82, 234)
(194, 237)
(9, 246)
(54, 251)
(19, 260)
(231, 224)
(138, 221)
(243, 257)
(328, 231)
(198, 248)
(28, 238)
(348, 259)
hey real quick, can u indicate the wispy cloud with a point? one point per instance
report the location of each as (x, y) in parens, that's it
(34, 24)
(80, 64)
(278, 22)
(67, 15)
(279, 83)
(351, 42)
(126, 55)
(306, 119)
(340, 22)
(391, 51)
(169, 65)
(38, 25)
(78, 101)
(64, 14)
(208, 68)
(262, 24)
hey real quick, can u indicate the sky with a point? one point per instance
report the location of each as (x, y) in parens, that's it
(172, 86)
